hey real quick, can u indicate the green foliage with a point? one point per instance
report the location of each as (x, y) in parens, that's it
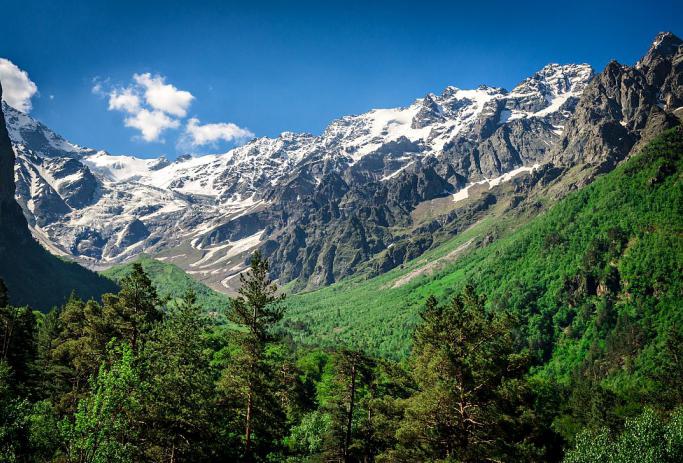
(180, 381)
(134, 309)
(469, 379)
(618, 238)
(648, 438)
(250, 380)
(13, 416)
(104, 428)
(310, 435)
(571, 339)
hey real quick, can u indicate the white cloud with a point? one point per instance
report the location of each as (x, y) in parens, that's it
(17, 88)
(209, 134)
(152, 106)
(124, 100)
(162, 96)
(151, 124)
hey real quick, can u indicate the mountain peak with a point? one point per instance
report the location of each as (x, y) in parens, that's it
(666, 42)
(664, 46)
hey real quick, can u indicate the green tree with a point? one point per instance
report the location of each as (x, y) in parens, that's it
(17, 340)
(180, 401)
(78, 350)
(353, 374)
(105, 429)
(134, 310)
(648, 438)
(467, 371)
(13, 418)
(249, 377)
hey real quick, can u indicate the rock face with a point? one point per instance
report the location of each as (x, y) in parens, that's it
(32, 275)
(624, 107)
(322, 207)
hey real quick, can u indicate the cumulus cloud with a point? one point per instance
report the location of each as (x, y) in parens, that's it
(124, 100)
(153, 106)
(17, 88)
(162, 96)
(151, 124)
(197, 134)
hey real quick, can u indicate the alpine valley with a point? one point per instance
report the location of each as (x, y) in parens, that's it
(481, 275)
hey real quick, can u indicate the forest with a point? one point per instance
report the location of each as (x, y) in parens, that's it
(562, 342)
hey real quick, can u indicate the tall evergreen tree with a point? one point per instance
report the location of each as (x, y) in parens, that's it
(79, 348)
(179, 403)
(135, 309)
(466, 369)
(17, 340)
(353, 372)
(250, 375)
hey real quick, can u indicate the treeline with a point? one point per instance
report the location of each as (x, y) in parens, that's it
(130, 380)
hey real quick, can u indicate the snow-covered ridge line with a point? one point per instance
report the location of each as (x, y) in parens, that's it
(103, 209)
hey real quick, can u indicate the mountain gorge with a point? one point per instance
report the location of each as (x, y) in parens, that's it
(369, 194)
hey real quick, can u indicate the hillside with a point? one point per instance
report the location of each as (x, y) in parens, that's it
(171, 282)
(605, 257)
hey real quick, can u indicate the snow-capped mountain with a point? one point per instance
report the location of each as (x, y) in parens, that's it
(205, 213)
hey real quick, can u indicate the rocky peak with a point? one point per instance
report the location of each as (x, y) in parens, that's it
(665, 45)
(25, 130)
(624, 107)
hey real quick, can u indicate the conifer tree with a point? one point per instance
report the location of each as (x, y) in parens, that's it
(250, 376)
(466, 368)
(135, 309)
(179, 383)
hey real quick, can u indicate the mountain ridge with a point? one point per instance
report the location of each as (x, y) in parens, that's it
(75, 181)
(324, 207)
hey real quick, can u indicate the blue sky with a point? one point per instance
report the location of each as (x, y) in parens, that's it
(268, 67)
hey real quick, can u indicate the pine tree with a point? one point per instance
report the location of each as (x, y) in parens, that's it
(135, 309)
(79, 348)
(250, 376)
(353, 371)
(466, 370)
(17, 340)
(179, 404)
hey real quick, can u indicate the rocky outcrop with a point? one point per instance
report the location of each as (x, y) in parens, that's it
(624, 107)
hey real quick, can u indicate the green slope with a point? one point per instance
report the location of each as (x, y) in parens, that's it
(603, 259)
(171, 282)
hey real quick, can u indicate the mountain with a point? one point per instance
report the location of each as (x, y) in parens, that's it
(369, 194)
(612, 249)
(204, 213)
(33, 276)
